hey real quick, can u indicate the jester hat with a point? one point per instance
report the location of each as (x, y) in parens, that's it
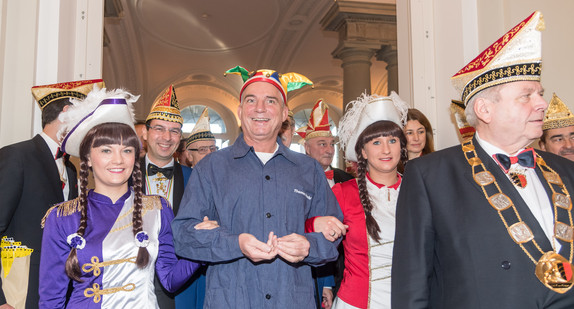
(201, 130)
(318, 124)
(47, 94)
(283, 82)
(516, 56)
(558, 115)
(166, 107)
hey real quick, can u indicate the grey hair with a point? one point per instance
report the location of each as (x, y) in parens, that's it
(490, 93)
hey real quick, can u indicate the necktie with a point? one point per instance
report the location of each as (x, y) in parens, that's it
(329, 174)
(153, 169)
(525, 158)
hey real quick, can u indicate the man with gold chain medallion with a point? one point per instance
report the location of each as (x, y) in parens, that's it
(488, 224)
(162, 174)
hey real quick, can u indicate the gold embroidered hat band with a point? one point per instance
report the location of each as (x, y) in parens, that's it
(47, 94)
(557, 115)
(516, 56)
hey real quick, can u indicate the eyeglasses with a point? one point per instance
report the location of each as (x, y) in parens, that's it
(161, 130)
(204, 149)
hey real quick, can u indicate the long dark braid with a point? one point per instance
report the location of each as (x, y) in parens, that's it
(72, 265)
(372, 226)
(142, 259)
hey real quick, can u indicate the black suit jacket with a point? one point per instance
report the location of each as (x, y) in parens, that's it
(30, 185)
(341, 176)
(451, 248)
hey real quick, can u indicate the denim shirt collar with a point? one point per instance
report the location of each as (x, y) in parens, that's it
(241, 149)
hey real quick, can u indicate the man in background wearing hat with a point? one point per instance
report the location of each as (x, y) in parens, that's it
(260, 193)
(201, 141)
(319, 144)
(558, 130)
(162, 175)
(36, 175)
(488, 224)
(199, 144)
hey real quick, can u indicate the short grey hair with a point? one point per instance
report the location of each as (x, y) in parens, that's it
(490, 93)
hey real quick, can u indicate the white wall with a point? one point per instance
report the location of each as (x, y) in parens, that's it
(44, 42)
(436, 38)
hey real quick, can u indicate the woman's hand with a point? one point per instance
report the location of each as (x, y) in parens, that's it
(330, 226)
(206, 224)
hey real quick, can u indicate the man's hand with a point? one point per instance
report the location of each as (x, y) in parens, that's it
(293, 247)
(256, 250)
(6, 306)
(330, 226)
(327, 301)
(205, 225)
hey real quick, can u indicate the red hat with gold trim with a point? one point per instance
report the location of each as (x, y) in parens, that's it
(166, 107)
(283, 82)
(47, 94)
(318, 124)
(516, 56)
(557, 115)
(464, 128)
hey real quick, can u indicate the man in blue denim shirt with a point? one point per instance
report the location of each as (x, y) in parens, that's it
(260, 193)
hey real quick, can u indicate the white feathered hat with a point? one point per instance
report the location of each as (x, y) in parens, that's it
(364, 111)
(99, 106)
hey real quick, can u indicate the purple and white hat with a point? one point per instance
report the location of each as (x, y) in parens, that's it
(99, 106)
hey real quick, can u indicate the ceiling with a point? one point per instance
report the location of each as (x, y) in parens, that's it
(150, 44)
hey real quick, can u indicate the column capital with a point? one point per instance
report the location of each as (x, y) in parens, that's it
(362, 25)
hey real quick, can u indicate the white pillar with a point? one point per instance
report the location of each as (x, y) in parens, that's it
(44, 42)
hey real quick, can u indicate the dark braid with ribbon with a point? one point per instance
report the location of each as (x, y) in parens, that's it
(72, 265)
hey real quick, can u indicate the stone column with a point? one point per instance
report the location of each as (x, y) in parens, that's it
(363, 27)
(388, 54)
(356, 72)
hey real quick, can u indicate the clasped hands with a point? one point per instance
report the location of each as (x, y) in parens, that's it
(292, 248)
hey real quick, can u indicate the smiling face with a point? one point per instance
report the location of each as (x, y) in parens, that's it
(321, 149)
(162, 140)
(515, 119)
(560, 142)
(382, 154)
(416, 138)
(112, 166)
(262, 111)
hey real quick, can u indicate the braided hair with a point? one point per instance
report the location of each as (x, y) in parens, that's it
(377, 129)
(107, 134)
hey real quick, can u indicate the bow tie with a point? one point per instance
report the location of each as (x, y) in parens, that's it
(329, 174)
(525, 158)
(152, 169)
(61, 154)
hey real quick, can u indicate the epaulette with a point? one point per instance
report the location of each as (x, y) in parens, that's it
(151, 202)
(63, 209)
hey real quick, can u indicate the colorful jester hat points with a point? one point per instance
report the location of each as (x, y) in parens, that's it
(201, 131)
(46, 94)
(166, 107)
(516, 56)
(558, 115)
(284, 82)
(318, 124)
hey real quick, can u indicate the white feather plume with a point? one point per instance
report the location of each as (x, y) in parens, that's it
(81, 108)
(350, 120)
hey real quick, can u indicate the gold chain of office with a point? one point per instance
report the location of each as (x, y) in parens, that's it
(552, 269)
